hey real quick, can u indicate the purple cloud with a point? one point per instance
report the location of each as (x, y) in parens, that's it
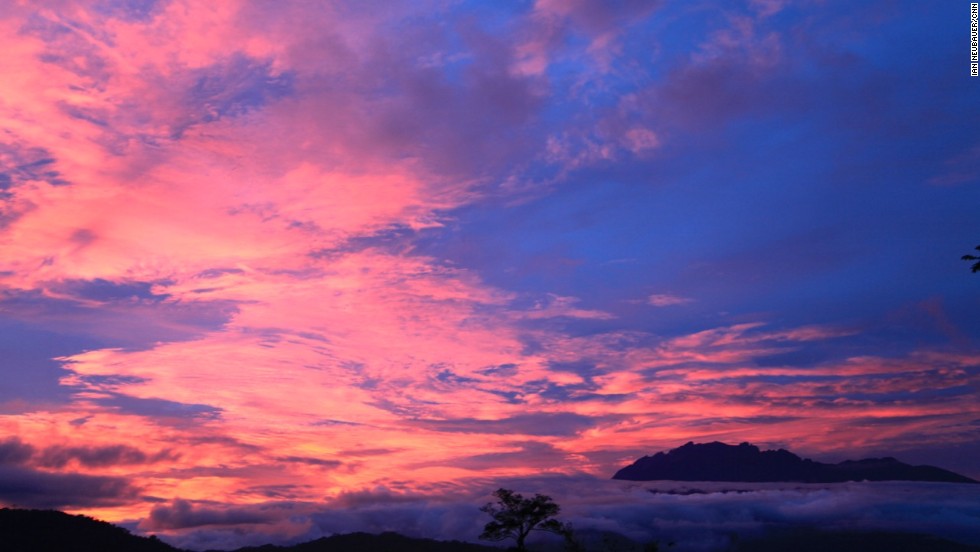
(28, 488)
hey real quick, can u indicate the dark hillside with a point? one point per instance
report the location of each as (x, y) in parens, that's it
(385, 542)
(52, 531)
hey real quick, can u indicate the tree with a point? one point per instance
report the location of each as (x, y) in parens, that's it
(976, 265)
(514, 517)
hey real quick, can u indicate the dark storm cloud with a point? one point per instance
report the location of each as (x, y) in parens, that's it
(105, 290)
(503, 370)
(275, 492)
(527, 454)
(381, 497)
(322, 462)
(28, 488)
(542, 424)
(161, 409)
(356, 453)
(237, 445)
(14, 451)
(96, 457)
(182, 514)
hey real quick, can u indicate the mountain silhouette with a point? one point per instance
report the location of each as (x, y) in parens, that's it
(746, 463)
(359, 542)
(53, 531)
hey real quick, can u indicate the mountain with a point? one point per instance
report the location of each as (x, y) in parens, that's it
(385, 542)
(746, 463)
(51, 531)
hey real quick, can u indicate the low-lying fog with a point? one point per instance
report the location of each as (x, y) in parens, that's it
(697, 516)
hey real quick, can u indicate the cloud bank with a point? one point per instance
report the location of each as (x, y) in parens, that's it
(694, 516)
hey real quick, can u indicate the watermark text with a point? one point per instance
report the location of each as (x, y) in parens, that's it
(974, 47)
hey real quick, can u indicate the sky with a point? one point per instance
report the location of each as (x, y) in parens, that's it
(261, 255)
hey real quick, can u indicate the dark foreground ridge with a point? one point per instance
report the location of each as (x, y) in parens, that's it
(360, 542)
(746, 463)
(53, 531)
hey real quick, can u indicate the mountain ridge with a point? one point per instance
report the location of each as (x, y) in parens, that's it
(359, 541)
(28, 530)
(54, 531)
(23, 530)
(717, 461)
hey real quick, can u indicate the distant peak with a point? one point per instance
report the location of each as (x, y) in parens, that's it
(745, 462)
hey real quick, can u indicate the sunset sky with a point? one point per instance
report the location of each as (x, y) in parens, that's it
(262, 254)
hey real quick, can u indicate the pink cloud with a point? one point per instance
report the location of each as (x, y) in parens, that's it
(667, 300)
(639, 140)
(602, 22)
(766, 8)
(559, 306)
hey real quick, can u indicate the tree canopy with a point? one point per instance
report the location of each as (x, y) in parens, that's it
(976, 265)
(514, 517)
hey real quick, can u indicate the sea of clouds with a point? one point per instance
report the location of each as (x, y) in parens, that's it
(694, 516)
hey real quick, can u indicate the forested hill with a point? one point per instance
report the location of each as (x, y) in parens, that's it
(52, 531)
(385, 542)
